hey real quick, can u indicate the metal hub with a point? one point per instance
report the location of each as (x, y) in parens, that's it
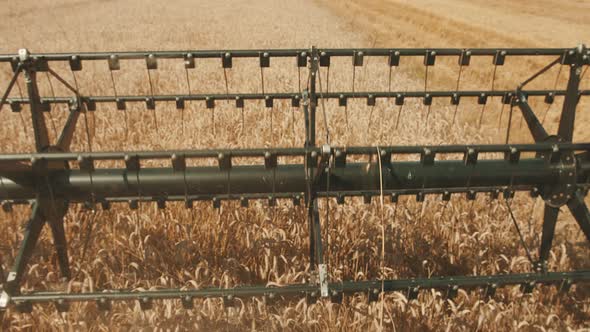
(561, 192)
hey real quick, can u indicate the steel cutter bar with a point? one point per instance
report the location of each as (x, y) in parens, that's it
(554, 168)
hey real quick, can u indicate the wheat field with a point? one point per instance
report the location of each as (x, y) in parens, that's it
(175, 247)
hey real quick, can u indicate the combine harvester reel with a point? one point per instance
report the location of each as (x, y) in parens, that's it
(53, 178)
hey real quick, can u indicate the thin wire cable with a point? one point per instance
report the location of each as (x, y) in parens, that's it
(388, 100)
(293, 109)
(457, 89)
(22, 119)
(226, 83)
(51, 105)
(429, 106)
(328, 79)
(399, 113)
(528, 253)
(554, 89)
(323, 106)
(491, 97)
(188, 87)
(152, 94)
(509, 122)
(125, 115)
(262, 78)
(382, 217)
(327, 223)
(483, 108)
(272, 138)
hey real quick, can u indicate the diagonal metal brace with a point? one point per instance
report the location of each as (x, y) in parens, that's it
(536, 128)
(10, 85)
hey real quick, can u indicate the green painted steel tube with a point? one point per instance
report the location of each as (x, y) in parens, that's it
(79, 185)
(466, 282)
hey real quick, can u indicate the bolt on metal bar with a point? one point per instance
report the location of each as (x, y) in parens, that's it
(255, 53)
(348, 287)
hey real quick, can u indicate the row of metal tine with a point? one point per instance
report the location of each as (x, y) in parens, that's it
(180, 102)
(270, 297)
(151, 60)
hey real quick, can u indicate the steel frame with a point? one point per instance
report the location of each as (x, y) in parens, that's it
(53, 178)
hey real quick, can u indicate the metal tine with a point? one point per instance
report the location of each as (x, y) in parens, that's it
(412, 293)
(399, 100)
(452, 292)
(225, 64)
(151, 64)
(565, 286)
(105, 205)
(61, 306)
(270, 160)
(229, 301)
(210, 104)
(429, 60)
(224, 161)
(103, 304)
(7, 206)
(75, 63)
(370, 102)
(145, 303)
(114, 64)
(161, 203)
(133, 204)
(269, 103)
(50, 105)
(241, 107)
(427, 101)
(550, 97)
(264, 63)
(189, 63)
(297, 200)
(24, 307)
(464, 60)
(244, 202)
(336, 296)
(187, 302)
(507, 99)
(498, 60)
(490, 290)
(295, 104)
(311, 297)
(528, 287)
(15, 106)
(373, 295)
(482, 100)
(510, 120)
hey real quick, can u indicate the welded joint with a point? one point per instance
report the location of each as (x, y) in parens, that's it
(577, 56)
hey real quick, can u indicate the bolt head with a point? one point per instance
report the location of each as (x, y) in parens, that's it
(23, 54)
